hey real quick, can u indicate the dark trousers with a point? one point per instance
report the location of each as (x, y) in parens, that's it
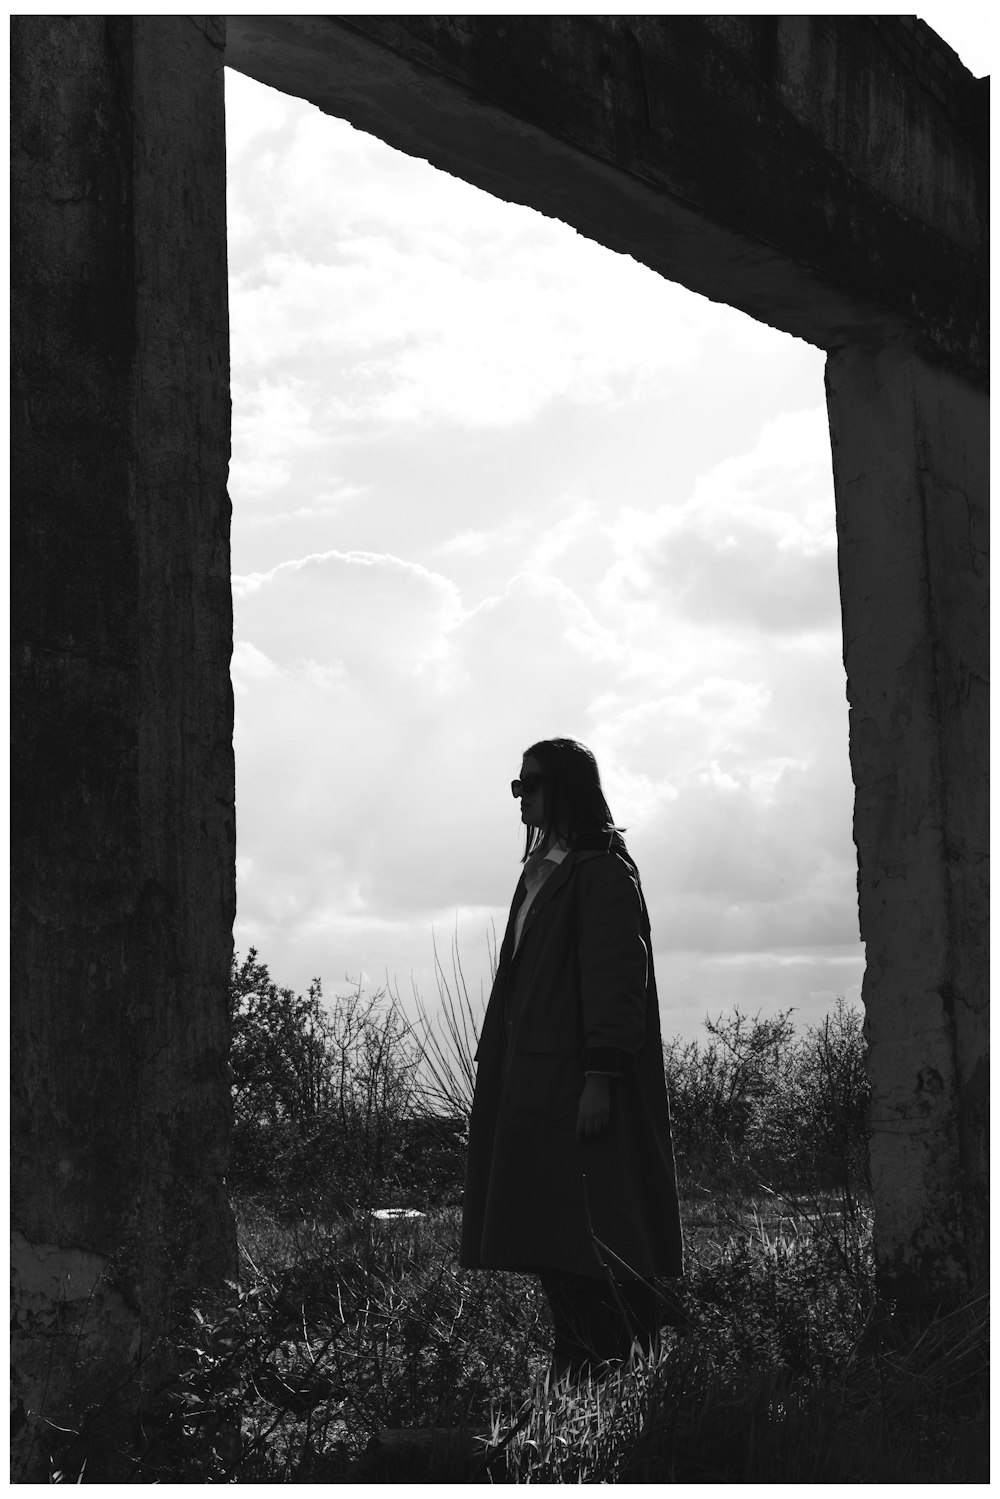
(592, 1328)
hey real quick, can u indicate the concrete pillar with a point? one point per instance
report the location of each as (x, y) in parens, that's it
(911, 473)
(122, 770)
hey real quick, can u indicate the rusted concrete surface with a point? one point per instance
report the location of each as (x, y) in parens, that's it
(787, 165)
(912, 485)
(122, 771)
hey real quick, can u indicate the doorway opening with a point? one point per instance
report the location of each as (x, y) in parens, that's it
(493, 482)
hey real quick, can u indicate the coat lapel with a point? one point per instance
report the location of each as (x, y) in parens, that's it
(551, 887)
(556, 880)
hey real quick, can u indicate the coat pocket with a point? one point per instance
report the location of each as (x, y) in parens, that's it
(543, 1084)
(549, 1041)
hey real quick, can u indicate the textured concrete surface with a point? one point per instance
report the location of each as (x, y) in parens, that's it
(792, 166)
(912, 484)
(122, 771)
(74, 1328)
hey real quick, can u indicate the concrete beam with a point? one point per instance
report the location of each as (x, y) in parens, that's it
(790, 166)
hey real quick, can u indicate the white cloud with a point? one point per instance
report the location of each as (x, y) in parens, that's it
(383, 796)
(418, 337)
(753, 545)
(441, 302)
(328, 506)
(378, 614)
(249, 663)
(274, 426)
(475, 543)
(252, 110)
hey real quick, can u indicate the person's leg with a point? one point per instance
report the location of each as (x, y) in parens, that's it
(643, 1314)
(570, 1304)
(618, 1315)
(594, 1326)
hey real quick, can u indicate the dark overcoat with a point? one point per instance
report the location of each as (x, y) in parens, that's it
(579, 992)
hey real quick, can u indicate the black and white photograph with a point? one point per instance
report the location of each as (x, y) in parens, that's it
(499, 813)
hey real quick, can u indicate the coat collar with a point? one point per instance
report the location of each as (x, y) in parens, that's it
(583, 849)
(556, 880)
(559, 877)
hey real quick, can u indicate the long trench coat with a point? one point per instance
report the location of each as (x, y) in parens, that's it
(579, 992)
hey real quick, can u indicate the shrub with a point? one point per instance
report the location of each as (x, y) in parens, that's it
(351, 1105)
(757, 1107)
(833, 1082)
(729, 1097)
(324, 1098)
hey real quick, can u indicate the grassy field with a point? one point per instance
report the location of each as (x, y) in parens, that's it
(353, 1349)
(357, 1351)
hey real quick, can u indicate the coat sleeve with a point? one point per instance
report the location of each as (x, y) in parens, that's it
(613, 965)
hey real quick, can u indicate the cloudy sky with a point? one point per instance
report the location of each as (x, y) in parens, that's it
(492, 483)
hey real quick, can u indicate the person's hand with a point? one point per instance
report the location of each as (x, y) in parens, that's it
(594, 1114)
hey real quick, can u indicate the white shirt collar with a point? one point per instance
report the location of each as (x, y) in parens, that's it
(548, 861)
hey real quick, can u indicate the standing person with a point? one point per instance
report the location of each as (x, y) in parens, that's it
(570, 1171)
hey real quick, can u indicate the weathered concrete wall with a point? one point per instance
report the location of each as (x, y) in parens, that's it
(912, 484)
(122, 769)
(787, 165)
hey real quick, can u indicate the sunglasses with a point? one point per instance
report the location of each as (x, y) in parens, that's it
(527, 785)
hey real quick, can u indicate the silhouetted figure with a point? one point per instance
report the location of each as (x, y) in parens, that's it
(570, 1170)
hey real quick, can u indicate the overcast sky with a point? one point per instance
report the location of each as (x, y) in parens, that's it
(491, 483)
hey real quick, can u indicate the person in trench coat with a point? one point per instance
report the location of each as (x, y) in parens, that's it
(570, 1166)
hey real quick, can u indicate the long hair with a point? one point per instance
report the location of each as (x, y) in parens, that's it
(575, 805)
